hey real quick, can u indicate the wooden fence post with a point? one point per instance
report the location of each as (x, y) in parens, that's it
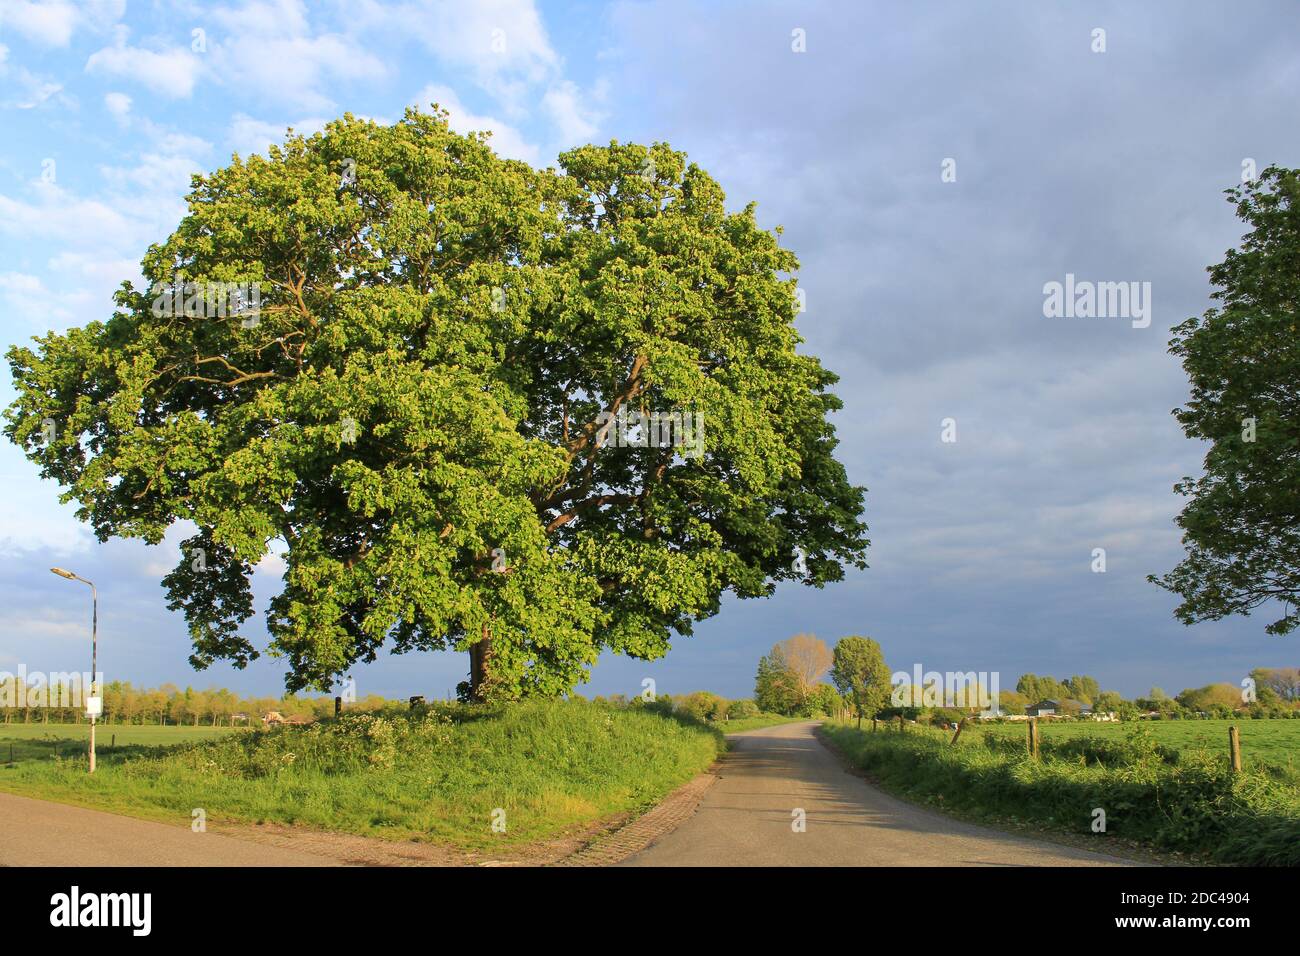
(959, 730)
(338, 706)
(873, 725)
(1234, 748)
(900, 723)
(1033, 737)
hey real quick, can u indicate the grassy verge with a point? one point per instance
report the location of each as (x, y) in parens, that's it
(438, 776)
(1182, 800)
(755, 723)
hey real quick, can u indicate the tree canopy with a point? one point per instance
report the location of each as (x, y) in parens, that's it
(1241, 525)
(533, 414)
(861, 675)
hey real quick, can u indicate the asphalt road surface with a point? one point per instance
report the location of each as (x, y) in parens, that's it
(40, 833)
(747, 817)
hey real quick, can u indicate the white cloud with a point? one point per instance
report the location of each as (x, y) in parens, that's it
(270, 49)
(171, 72)
(19, 284)
(491, 37)
(95, 268)
(30, 90)
(506, 140)
(118, 104)
(49, 24)
(58, 215)
(30, 515)
(45, 624)
(575, 124)
(24, 89)
(272, 565)
(159, 175)
(79, 288)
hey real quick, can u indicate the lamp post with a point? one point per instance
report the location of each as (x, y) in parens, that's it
(94, 650)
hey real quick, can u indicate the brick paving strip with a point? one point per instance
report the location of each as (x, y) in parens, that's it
(635, 835)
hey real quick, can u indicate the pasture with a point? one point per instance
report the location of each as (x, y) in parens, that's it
(1270, 745)
(38, 741)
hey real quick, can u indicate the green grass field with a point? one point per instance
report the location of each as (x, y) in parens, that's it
(40, 741)
(551, 766)
(1270, 745)
(1154, 785)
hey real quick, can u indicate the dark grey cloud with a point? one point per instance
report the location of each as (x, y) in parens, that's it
(926, 297)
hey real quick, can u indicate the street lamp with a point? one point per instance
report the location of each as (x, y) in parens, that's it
(92, 702)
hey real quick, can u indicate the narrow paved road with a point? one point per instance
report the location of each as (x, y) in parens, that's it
(40, 833)
(745, 819)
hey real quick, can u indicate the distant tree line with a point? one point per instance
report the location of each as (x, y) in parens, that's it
(125, 703)
(789, 681)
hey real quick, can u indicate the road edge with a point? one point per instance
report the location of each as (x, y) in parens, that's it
(615, 846)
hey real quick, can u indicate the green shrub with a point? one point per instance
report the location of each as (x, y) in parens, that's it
(742, 709)
(703, 706)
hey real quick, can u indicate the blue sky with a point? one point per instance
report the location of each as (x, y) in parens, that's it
(926, 296)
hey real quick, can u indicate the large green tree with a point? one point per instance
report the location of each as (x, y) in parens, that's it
(860, 674)
(776, 685)
(425, 408)
(1241, 526)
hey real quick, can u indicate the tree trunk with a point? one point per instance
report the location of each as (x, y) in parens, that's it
(478, 658)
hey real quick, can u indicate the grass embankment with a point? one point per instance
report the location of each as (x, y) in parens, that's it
(1186, 799)
(437, 776)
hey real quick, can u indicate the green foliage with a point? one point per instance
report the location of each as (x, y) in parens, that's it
(1041, 688)
(703, 705)
(1211, 696)
(861, 675)
(1082, 688)
(1108, 701)
(776, 688)
(1013, 702)
(415, 413)
(823, 701)
(1243, 362)
(742, 709)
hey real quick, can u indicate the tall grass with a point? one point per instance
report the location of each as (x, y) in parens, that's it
(435, 775)
(1173, 799)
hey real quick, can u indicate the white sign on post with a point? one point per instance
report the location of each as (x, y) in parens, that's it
(94, 706)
